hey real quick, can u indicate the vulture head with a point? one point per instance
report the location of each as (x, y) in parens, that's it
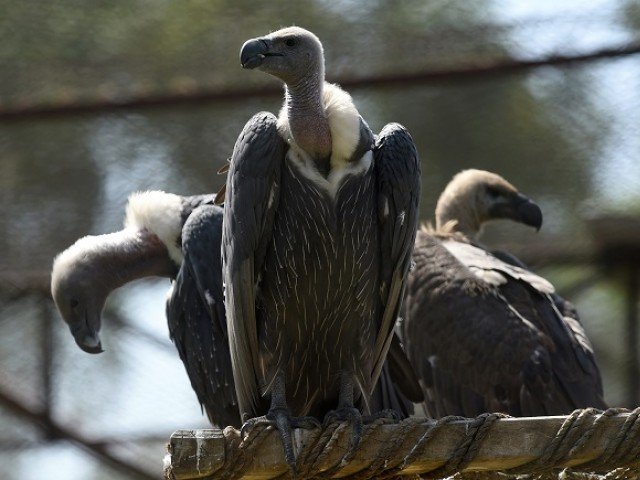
(295, 56)
(78, 293)
(292, 54)
(474, 197)
(86, 273)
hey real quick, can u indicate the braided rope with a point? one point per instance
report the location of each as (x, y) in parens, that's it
(624, 448)
(620, 455)
(389, 457)
(238, 452)
(466, 451)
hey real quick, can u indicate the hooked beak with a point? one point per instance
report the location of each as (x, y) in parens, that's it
(87, 338)
(254, 51)
(520, 209)
(528, 212)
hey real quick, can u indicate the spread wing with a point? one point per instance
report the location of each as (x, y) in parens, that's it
(485, 336)
(251, 198)
(196, 316)
(397, 169)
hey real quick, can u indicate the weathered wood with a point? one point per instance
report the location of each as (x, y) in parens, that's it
(510, 443)
(196, 453)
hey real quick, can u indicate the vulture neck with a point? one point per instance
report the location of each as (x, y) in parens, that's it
(308, 121)
(129, 255)
(454, 218)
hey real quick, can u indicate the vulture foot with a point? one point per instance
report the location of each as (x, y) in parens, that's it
(353, 417)
(281, 419)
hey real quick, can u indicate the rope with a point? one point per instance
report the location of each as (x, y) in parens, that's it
(573, 435)
(238, 452)
(399, 449)
(624, 447)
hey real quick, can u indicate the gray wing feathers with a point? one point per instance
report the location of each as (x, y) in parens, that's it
(251, 200)
(491, 269)
(504, 347)
(196, 316)
(398, 182)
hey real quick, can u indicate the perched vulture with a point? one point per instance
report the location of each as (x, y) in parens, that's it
(482, 331)
(177, 237)
(319, 222)
(170, 236)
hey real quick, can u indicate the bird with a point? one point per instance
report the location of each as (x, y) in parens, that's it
(165, 235)
(177, 237)
(320, 218)
(484, 333)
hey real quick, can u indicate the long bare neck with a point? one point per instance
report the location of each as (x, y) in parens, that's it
(307, 119)
(131, 254)
(465, 219)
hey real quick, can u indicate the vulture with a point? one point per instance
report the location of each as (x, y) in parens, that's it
(482, 331)
(170, 236)
(180, 238)
(320, 218)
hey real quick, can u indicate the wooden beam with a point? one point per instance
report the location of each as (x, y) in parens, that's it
(510, 442)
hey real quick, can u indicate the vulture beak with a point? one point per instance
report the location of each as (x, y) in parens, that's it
(253, 53)
(528, 212)
(518, 208)
(87, 338)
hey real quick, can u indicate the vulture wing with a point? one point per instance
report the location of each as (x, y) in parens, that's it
(483, 334)
(196, 316)
(492, 269)
(252, 195)
(397, 169)
(574, 360)
(574, 364)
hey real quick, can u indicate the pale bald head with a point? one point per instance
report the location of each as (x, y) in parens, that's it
(474, 197)
(85, 274)
(291, 54)
(295, 56)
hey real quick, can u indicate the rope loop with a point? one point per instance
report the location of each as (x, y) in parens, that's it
(393, 450)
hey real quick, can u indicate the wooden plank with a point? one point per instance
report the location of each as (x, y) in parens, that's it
(196, 453)
(511, 442)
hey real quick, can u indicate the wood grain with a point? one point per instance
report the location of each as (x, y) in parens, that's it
(511, 442)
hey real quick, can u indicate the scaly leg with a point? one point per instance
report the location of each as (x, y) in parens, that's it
(346, 411)
(280, 417)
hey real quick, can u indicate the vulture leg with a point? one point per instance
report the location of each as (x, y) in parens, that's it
(346, 411)
(279, 416)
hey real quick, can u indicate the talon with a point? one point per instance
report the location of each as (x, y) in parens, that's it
(353, 417)
(252, 422)
(281, 419)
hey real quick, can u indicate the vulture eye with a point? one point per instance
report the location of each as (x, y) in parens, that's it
(493, 192)
(74, 303)
(290, 42)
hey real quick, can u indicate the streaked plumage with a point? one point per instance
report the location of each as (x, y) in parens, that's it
(483, 332)
(180, 238)
(318, 230)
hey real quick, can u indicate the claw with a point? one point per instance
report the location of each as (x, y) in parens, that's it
(285, 423)
(353, 417)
